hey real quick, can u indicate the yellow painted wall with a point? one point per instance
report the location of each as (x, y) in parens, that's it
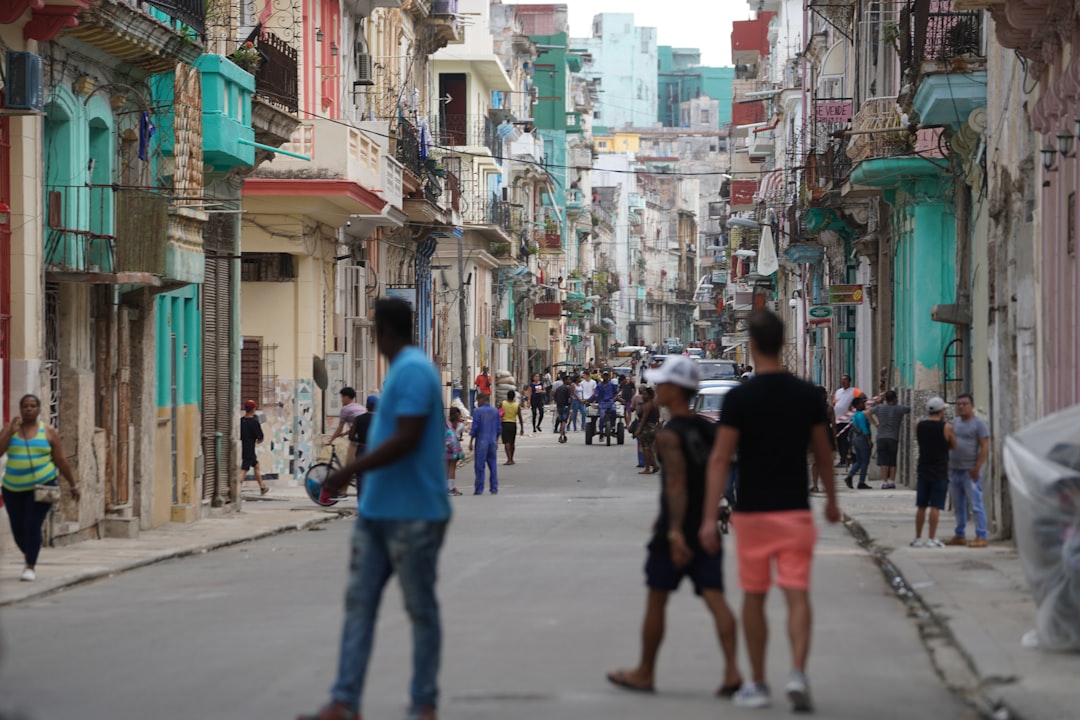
(188, 446)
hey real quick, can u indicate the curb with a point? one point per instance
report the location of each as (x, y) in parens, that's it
(987, 679)
(173, 555)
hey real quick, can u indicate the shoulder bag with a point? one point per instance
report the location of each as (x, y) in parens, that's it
(42, 493)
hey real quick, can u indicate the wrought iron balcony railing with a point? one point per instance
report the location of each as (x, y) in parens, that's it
(276, 78)
(934, 32)
(191, 13)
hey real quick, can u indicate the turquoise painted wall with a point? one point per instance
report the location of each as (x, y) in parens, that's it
(178, 313)
(924, 228)
(550, 81)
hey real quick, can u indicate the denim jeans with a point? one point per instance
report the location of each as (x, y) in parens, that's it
(381, 548)
(577, 408)
(965, 490)
(27, 517)
(861, 444)
(486, 455)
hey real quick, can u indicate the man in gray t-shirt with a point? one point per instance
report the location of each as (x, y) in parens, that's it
(888, 418)
(966, 462)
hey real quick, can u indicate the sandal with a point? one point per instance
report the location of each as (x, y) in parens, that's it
(620, 679)
(263, 491)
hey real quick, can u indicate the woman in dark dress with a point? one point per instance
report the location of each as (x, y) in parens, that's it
(537, 398)
(251, 434)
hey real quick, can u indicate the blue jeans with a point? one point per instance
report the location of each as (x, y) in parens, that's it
(577, 408)
(861, 445)
(486, 454)
(27, 517)
(965, 490)
(381, 548)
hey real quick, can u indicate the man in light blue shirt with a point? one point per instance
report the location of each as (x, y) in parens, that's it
(404, 511)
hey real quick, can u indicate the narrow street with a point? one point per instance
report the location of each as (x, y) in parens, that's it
(542, 592)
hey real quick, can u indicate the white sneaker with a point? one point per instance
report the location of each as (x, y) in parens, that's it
(917, 542)
(28, 575)
(934, 543)
(798, 692)
(752, 695)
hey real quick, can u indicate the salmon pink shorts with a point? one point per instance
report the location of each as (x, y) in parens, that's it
(786, 537)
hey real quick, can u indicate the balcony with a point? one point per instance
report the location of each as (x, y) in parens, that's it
(549, 241)
(884, 152)
(342, 178)
(422, 188)
(446, 23)
(500, 221)
(575, 202)
(276, 79)
(527, 147)
(151, 34)
(746, 113)
(946, 60)
(226, 116)
(742, 194)
(476, 136)
(101, 235)
(762, 143)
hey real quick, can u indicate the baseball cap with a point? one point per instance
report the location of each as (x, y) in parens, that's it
(935, 404)
(677, 370)
(249, 405)
(372, 401)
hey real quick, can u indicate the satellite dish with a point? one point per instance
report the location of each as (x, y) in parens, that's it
(318, 372)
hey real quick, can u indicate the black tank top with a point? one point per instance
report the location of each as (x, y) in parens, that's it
(696, 436)
(933, 447)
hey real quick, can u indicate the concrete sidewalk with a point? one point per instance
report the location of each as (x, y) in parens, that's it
(283, 510)
(975, 601)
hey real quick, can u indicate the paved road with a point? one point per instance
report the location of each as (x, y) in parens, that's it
(542, 593)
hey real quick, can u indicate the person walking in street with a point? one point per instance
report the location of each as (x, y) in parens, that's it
(483, 382)
(772, 519)
(564, 397)
(966, 461)
(358, 435)
(512, 417)
(537, 398)
(484, 435)
(636, 406)
(560, 380)
(403, 514)
(675, 550)
(935, 438)
(842, 399)
(860, 442)
(647, 429)
(251, 434)
(816, 470)
(577, 403)
(455, 427)
(888, 418)
(588, 387)
(35, 461)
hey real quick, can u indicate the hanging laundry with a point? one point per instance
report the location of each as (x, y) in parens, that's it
(146, 131)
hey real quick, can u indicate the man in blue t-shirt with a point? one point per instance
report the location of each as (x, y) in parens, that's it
(404, 512)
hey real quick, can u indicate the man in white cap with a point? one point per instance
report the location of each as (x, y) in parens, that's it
(935, 438)
(675, 551)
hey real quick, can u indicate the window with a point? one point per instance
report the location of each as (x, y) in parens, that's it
(596, 114)
(705, 116)
(267, 267)
(603, 143)
(258, 375)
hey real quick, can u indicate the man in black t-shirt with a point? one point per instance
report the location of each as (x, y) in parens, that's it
(771, 419)
(674, 551)
(564, 398)
(935, 438)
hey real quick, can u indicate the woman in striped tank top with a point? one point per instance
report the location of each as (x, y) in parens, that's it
(34, 457)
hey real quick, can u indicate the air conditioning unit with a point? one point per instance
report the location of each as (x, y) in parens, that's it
(24, 89)
(365, 74)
